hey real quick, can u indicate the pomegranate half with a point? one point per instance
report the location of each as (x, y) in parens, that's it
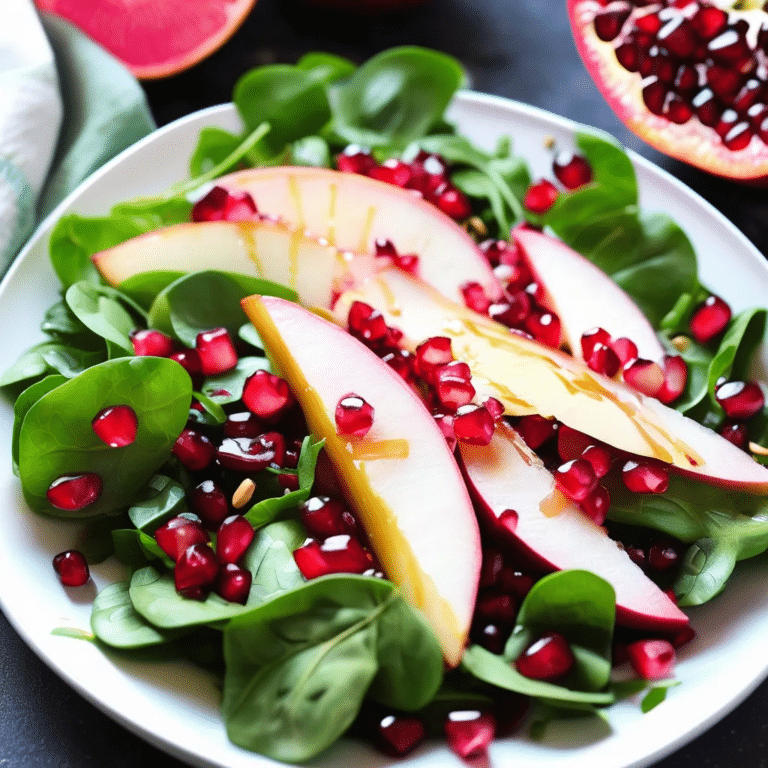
(690, 77)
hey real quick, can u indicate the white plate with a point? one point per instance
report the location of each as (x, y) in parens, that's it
(176, 706)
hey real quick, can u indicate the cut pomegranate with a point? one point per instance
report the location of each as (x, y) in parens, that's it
(224, 205)
(210, 503)
(572, 171)
(74, 492)
(453, 384)
(337, 554)
(399, 734)
(740, 400)
(266, 395)
(354, 416)
(548, 658)
(244, 454)
(473, 424)
(576, 479)
(469, 732)
(682, 75)
(652, 659)
(176, 535)
(194, 450)
(234, 583)
(216, 350)
(645, 477)
(536, 430)
(71, 568)
(540, 197)
(233, 538)
(116, 425)
(324, 516)
(710, 319)
(151, 342)
(195, 571)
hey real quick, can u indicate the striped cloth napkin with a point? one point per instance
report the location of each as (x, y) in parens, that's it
(66, 107)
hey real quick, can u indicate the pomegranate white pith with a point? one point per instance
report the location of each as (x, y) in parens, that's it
(400, 478)
(727, 139)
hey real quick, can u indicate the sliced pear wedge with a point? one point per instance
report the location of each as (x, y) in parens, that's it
(528, 377)
(400, 478)
(517, 496)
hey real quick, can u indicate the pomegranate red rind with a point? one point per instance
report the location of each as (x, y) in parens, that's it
(691, 141)
(155, 38)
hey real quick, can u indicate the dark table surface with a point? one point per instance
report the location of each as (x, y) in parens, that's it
(521, 49)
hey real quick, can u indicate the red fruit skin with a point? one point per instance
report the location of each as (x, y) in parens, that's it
(690, 142)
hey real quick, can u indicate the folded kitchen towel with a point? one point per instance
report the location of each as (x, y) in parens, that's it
(66, 107)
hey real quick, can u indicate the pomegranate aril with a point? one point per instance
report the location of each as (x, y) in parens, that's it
(453, 385)
(710, 319)
(209, 503)
(494, 407)
(572, 171)
(709, 21)
(600, 458)
(234, 583)
(571, 443)
(652, 659)
(233, 538)
(678, 37)
(244, 454)
(604, 360)
(740, 400)
(150, 342)
(515, 582)
(366, 323)
(536, 430)
(491, 567)
(401, 360)
(548, 658)
(216, 350)
(625, 349)
(194, 450)
(500, 252)
(677, 110)
(473, 424)
(74, 492)
(540, 197)
(724, 81)
(497, 608)
(629, 55)
(729, 47)
(355, 159)
(595, 505)
(469, 732)
(337, 554)
(353, 415)
(475, 297)
(176, 535)
(71, 568)
(195, 570)
(266, 395)
(445, 422)
(392, 171)
(750, 92)
(544, 327)
(645, 477)
(513, 311)
(649, 23)
(222, 205)
(663, 555)
(645, 376)
(116, 426)
(452, 202)
(686, 79)
(608, 23)
(324, 516)
(399, 734)
(736, 433)
(592, 338)
(675, 379)
(430, 354)
(189, 360)
(576, 479)
(490, 636)
(706, 107)
(243, 424)
(655, 96)
(683, 637)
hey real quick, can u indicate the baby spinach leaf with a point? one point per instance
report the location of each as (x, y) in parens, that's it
(49, 357)
(56, 437)
(327, 66)
(212, 414)
(311, 150)
(62, 324)
(165, 499)
(213, 146)
(144, 287)
(270, 560)
(154, 212)
(656, 695)
(395, 97)
(115, 621)
(580, 606)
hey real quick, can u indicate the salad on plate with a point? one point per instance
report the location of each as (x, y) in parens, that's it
(393, 439)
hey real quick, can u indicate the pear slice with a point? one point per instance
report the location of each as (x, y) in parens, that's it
(318, 272)
(400, 478)
(583, 296)
(528, 377)
(506, 475)
(352, 211)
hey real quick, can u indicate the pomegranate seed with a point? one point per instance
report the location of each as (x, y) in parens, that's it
(652, 659)
(452, 384)
(324, 516)
(475, 298)
(430, 354)
(469, 732)
(513, 311)
(576, 479)
(595, 505)
(740, 400)
(709, 21)
(244, 454)
(195, 571)
(74, 492)
(509, 519)
(496, 608)
(473, 424)
(663, 555)
(644, 477)
(709, 319)
(209, 502)
(116, 426)
(216, 350)
(729, 47)
(401, 360)
(452, 202)
(515, 582)
(645, 376)
(683, 637)
(625, 349)
(234, 583)
(490, 636)
(494, 407)
(678, 37)
(222, 205)
(536, 430)
(233, 538)
(194, 450)
(593, 338)
(735, 433)
(267, 395)
(355, 159)
(354, 416)
(399, 734)
(540, 197)
(366, 323)
(608, 24)
(629, 55)
(572, 171)
(544, 327)
(600, 459)
(176, 535)
(637, 555)
(445, 422)
(706, 107)
(392, 171)
(151, 343)
(71, 568)
(288, 481)
(189, 360)
(604, 360)
(243, 424)
(500, 252)
(675, 379)
(337, 554)
(571, 444)
(548, 658)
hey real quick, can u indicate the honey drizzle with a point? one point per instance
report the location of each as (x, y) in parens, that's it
(372, 450)
(365, 233)
(295, 194)
(248, 234)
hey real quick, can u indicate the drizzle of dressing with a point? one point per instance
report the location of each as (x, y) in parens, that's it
(365, 233)
(295, 194)
(372, 450)
(554, 504)
(248, 234)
